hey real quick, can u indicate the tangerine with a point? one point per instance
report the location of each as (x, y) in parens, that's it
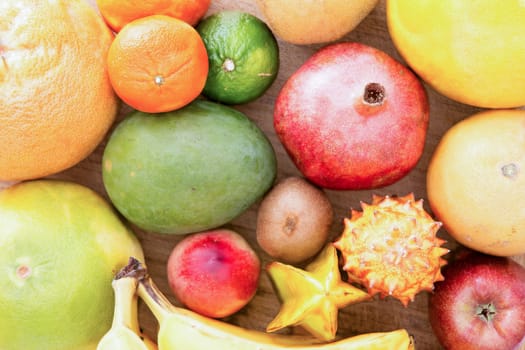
(118, 13)
(55, 96)
(158, 64)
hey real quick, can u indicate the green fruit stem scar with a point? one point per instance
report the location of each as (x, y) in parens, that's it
(374, 94)
(510, 170)
(228, 65)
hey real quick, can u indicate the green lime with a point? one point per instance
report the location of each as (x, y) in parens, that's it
(243, 56)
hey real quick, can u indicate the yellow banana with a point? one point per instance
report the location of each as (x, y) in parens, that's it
(124, 333)
(182, 329)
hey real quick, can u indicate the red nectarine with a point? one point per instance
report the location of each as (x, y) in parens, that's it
(214, 273)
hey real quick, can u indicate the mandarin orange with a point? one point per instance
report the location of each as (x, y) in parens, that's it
(158, 64)
(118, 13)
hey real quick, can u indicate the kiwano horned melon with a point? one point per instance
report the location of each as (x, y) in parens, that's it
(391, 247)
(189, 170)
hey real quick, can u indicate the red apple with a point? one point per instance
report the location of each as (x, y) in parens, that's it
(214, 273)
(480, 304)
(352, 117)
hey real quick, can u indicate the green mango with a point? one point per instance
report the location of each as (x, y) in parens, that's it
(188, 170)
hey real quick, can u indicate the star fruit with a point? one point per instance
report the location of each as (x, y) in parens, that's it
(311, 298)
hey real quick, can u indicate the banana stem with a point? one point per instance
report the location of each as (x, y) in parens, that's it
(126, 303)
(146, 289)
(155, 299)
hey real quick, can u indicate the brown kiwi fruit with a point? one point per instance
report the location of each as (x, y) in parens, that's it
(294, 220)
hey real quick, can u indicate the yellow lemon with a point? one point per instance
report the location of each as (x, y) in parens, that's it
(469, 51)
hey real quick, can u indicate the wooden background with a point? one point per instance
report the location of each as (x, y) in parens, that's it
(376, 315)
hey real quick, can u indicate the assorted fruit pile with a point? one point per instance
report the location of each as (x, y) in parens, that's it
(160, 86)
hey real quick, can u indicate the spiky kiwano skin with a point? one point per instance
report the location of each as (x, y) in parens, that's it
(391, 247)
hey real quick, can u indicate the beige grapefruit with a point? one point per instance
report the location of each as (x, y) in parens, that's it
(476, 182)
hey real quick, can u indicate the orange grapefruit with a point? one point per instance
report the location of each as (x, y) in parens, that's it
(476, 181)
(55, 96)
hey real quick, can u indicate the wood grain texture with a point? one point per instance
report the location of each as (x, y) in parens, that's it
(376, 315)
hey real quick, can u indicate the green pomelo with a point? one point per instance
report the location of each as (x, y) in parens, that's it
(188, 170)
(61, 244)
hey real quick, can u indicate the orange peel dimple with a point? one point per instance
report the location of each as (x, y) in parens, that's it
(391, 247)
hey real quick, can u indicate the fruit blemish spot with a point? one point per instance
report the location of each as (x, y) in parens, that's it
(374, 94)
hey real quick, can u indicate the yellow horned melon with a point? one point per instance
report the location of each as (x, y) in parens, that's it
(391, 247)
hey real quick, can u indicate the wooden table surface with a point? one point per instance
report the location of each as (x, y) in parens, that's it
(372, 316)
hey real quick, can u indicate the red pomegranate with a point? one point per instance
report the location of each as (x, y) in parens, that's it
(352, 117)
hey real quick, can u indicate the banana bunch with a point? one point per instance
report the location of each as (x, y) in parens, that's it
(124, 333)
(180, 328)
